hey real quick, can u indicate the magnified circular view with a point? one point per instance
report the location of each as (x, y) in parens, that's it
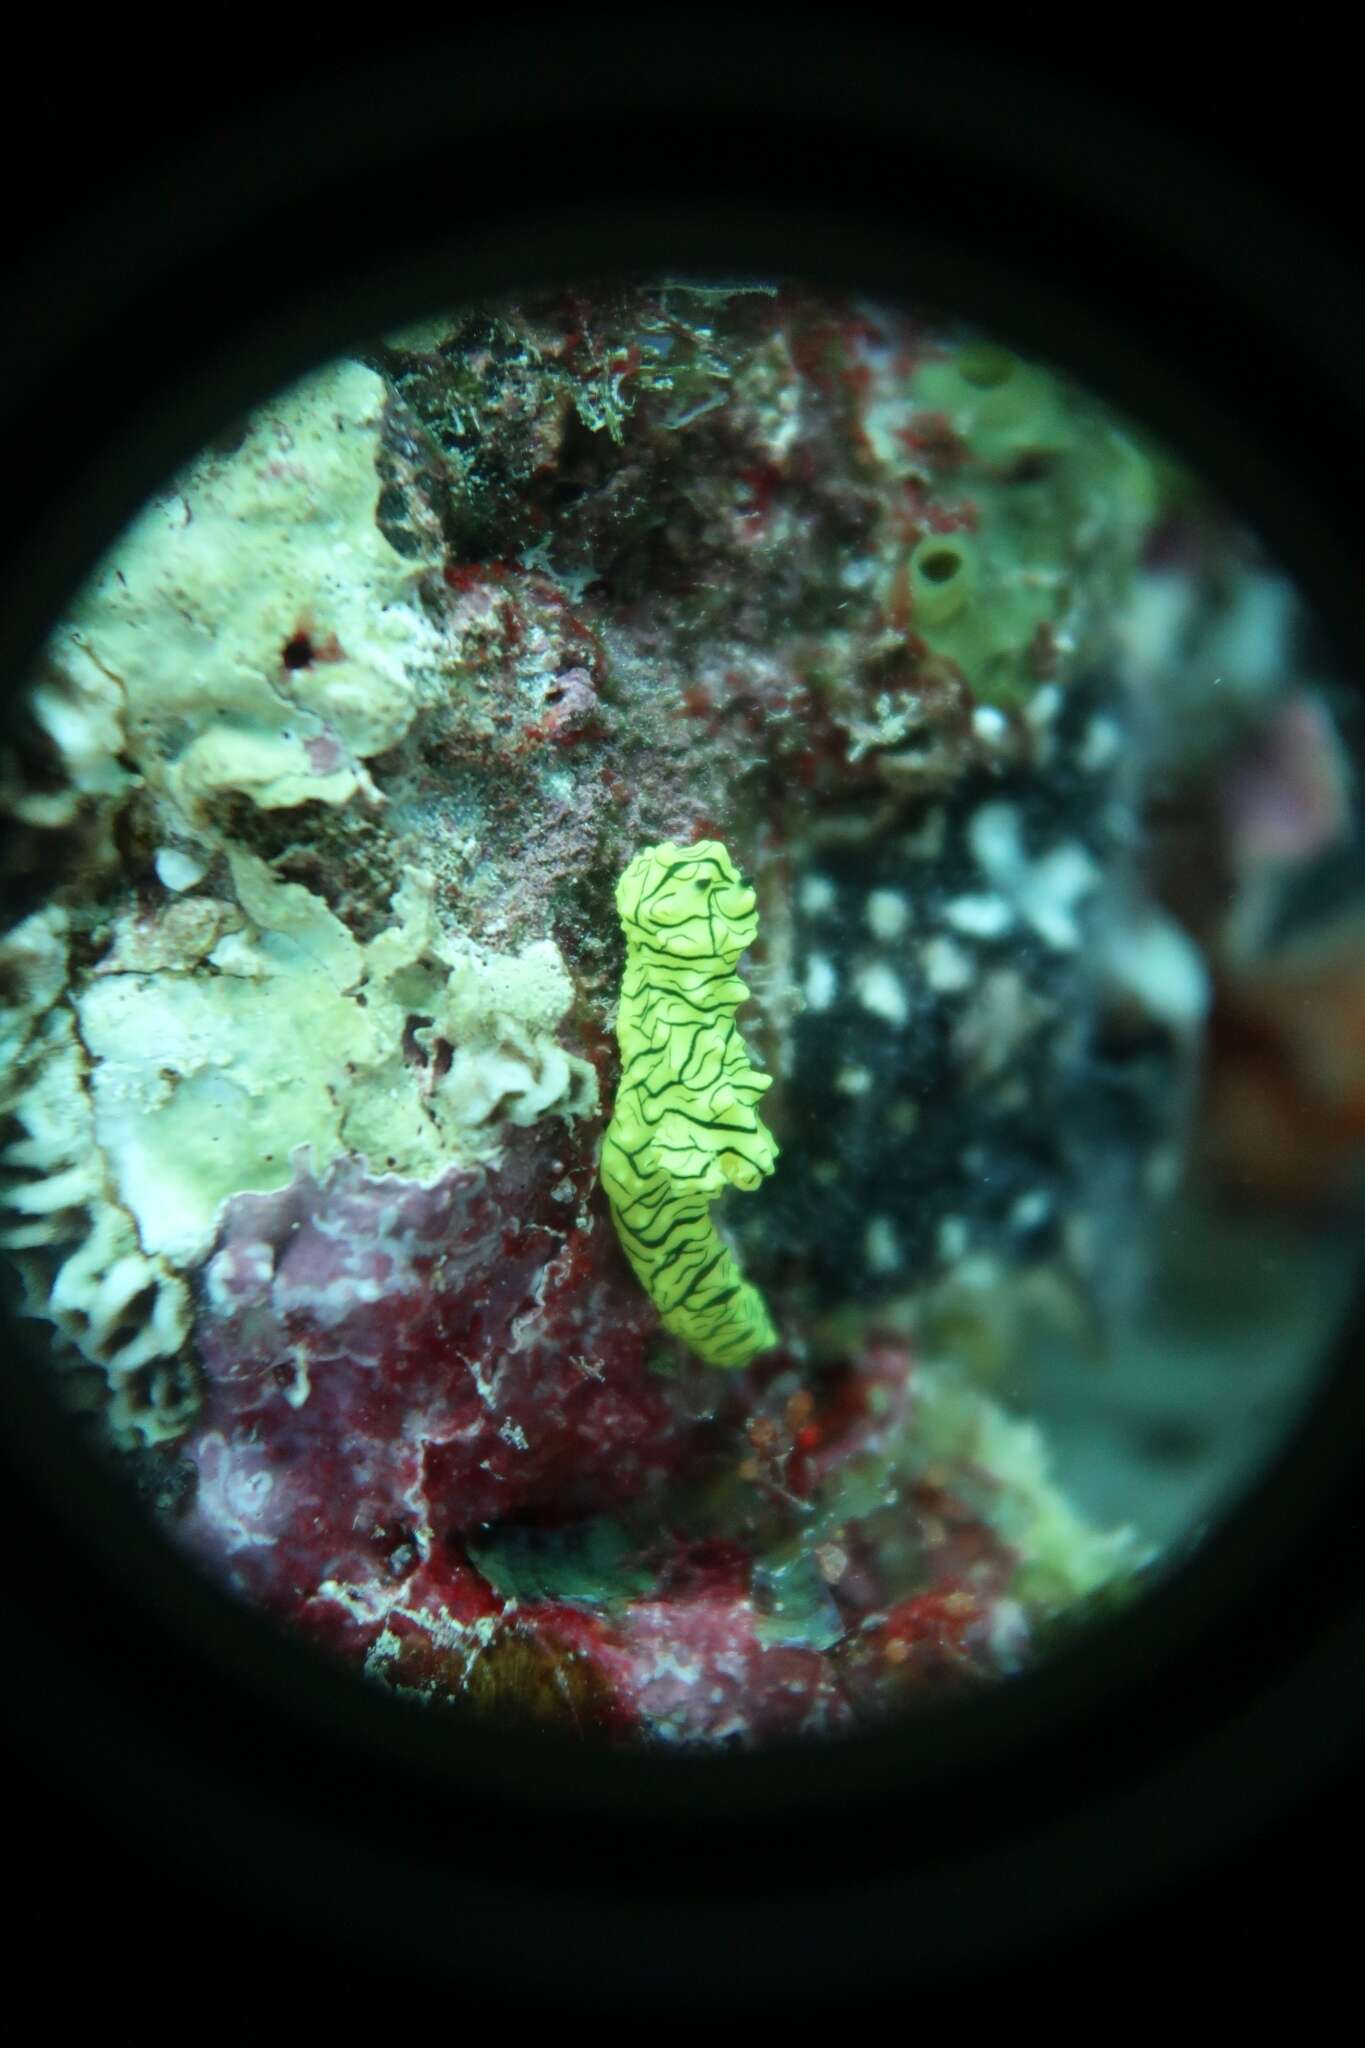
(684, 1007)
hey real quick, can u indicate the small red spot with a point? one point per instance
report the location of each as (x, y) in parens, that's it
(1042, 653)
(931, 436)
(325, 753)
(900, 604)
(762, 482)
(963, 518)
(469, 575)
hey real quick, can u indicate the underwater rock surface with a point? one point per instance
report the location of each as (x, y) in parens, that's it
(310, 986)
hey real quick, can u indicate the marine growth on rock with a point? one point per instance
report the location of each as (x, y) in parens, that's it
(383, 1161)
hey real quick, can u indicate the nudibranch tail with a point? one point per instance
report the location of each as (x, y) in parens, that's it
(686, 1124)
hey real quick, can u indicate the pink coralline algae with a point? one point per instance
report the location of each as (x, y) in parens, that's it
(431, 1438)
(387, 1367)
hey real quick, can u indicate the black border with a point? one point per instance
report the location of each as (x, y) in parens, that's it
(176, 1737)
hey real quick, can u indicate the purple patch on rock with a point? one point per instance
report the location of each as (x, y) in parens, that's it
(388, 1366)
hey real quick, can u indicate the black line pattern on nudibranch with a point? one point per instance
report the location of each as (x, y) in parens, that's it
(686, 1124)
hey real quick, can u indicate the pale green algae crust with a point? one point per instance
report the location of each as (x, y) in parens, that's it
(179, 638)
(206, 1084)
(223, 1040)
(1063, 1558)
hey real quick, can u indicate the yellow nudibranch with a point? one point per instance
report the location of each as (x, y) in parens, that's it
(686, 1123)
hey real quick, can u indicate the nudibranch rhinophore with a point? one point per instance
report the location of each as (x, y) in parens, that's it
(686, 1123)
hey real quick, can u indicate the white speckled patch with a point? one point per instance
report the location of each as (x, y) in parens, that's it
(878, 990)
(886, 913)
(822, 984)
(946, 967)
(980, 917)
(815, 894)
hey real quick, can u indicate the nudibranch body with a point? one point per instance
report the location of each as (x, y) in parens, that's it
(686, 1124)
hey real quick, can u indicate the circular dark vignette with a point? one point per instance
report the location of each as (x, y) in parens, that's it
(184, 1733)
